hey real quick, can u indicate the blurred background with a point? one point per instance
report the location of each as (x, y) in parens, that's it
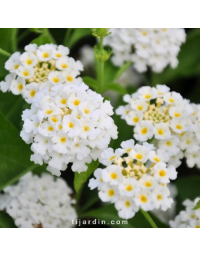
(185, 79)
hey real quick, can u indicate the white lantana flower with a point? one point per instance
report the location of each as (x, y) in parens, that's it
(68, 124)
(133, 179)
(154, 48)
(39, 202)
(41, 66)
(169, 121)
(189, 218)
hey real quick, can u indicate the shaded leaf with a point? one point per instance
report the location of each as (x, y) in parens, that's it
(42, 39)
(122, 69)
(188, 188)
(78, 34)
(6, 221)
(14, 154)
(81, 178)
(115, 87)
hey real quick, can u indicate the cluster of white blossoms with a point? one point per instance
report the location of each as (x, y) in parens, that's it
(155, 48)
(189, 218)
(68, 124)
(135, 176)
(39, 67)
(39, 202)
(171, 122)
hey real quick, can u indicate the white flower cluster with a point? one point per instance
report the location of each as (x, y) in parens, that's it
(40, 67)
(135, 176)
(68, 124)
(39, 202)
(154, 48)
(173, 122)
(189, 218)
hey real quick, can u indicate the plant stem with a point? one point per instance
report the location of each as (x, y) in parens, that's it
(5, 53)
(101, 69)
(148, 218)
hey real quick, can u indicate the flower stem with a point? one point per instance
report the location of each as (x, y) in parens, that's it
(148, 218)
(101, 69)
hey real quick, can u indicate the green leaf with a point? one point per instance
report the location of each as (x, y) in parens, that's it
(110, 72)
(81, 178)
(188, 188)
(78, 34)
(5, 53)
(12, 107)
(8, 44)
(114, 87)
(6, 221)
(14, 154)
(197, 206)
(91, 82)
(122, 69)
(42, 39)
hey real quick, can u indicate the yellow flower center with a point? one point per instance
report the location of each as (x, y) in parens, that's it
(171, 100)
(87, 111)
(50, 128)
(143, 198)
(25, 73)
(129, 188)
(136, 119)
(20, 87)
(112, 157)
(16, 66)
(113, 176)
(86, 128)
(156, 159)
(45, 55)
(111, 192)
(148, 184)
(76, 102)
(48, 112)
(63, 101)
(160, 131)
(144, 130)
(177, 114)
(71, 125)
(63, 139)
(56, 80)
(29, 62)
(64, 65)
(168, 143)
(139, 156)
(127, 204)
(179, 127)
(58, 55)
(162, 173)
(140, 107)
(70, 78)
(147, 96)
(159, 197)
(32, 93)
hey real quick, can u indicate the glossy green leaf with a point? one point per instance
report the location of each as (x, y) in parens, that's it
(6, 221)
(81, 178)
(14, 154)
(93, 83)
(115, 87)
